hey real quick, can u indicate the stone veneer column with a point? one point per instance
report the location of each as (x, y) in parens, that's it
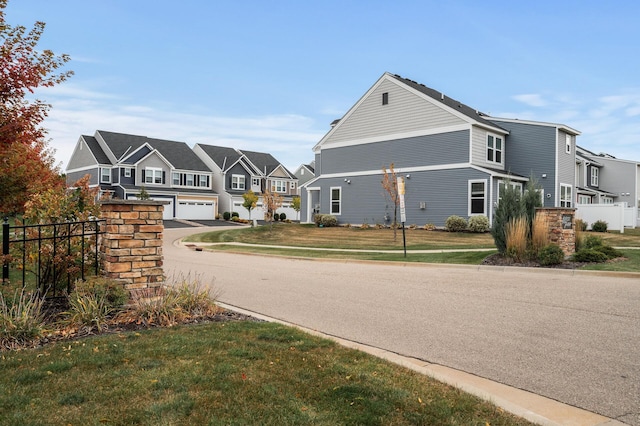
(561, 227)
(131, 245)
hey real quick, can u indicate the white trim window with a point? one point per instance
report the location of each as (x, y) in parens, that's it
(153, 175)
(238, 182)
(567, 139)
(127, 172)
(566, 195)
(584, 199)
(203, 181)
(279, 186)
(477, 197)
(189, 179)
(494, 149)
(105, 175)
(175, 178)
(594, 176)
(336, 200)
(502, 185)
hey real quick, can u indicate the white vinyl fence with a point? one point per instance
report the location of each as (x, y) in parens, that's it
(618, 215)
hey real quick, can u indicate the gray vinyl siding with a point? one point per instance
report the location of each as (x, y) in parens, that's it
(73, 177)
(318, 164)
(479, 148)
(619, 177)
(566, 166)
(155, 162)
(405, 112)
(127, 180)
(238, 169)
(445, 148)
(531, 151)
(445, 192)
(81, 157)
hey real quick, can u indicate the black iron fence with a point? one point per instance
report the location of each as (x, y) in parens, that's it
(49, 258)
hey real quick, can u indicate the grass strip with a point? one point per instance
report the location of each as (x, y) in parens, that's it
(232, 373)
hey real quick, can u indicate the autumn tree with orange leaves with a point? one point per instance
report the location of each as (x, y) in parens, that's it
(27, 165)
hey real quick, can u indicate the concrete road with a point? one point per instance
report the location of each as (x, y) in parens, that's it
(571, 337)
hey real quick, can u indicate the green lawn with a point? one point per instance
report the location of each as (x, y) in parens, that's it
(309, 236)
(233, 373)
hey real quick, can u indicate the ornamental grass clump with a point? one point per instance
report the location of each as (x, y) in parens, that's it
(22, 319)
(539, 235)
(516, 238)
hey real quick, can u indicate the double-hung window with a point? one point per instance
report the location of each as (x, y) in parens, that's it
(494, 149)
(153, 175)
(279, 186)
(189, 181)
(336, 200)
(105, 175)
(477, 197)
(594, 176)
(237, 182)
(175, 178)
(567, 139)
(127, 172)
(566, 195)
(203, 181)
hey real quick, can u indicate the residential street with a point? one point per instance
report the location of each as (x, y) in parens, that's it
(571, 337)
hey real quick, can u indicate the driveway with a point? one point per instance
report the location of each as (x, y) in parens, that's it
(572, 337)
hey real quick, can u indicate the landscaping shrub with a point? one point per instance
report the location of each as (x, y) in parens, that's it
(21, 319)
(429, 227)
(599, 226)
(276, 217)
(581, 225)
(235, 214)
(516, 238)
(365, 225)
(478, 224)
(590, 255)
(508, 208)
(455, 224)
(591, 241)
(329, 220)
(550, 254)
(317, 218)
(609, 251)
(283, 217)
(226, 215)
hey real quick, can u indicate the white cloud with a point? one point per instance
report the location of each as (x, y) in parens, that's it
(287, 137)
(534, 100)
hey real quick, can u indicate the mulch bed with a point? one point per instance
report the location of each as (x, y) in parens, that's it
(499, 260)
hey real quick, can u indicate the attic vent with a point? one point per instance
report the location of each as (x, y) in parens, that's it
(385, 98)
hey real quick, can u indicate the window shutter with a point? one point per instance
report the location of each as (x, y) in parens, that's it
(163, 177)
(143, 176)
(208, 181)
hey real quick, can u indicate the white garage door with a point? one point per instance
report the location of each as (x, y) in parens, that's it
(167, 213)
(193, 209)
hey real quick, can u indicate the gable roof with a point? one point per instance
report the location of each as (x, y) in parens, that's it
(96, 150)
(440, 97)
(264, 162)
(177, 153)
(223, 156)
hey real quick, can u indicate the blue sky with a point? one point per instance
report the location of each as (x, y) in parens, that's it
(271, 75)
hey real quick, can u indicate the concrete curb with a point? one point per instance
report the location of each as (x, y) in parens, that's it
(532, 407)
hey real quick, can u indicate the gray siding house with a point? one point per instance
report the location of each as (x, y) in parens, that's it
(454, 159)
(237, 172)
(122, 164)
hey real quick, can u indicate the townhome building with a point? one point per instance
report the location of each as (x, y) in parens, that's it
(453, 159)
(238, 171)
(122, 165)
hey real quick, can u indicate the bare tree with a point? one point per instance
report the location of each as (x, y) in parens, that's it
(390, 186)
(271, 201)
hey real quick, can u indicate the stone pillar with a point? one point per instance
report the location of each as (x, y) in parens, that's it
(561, 227)
(131, 245)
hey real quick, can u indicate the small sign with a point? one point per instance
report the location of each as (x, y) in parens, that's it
(403, 215)
(567, 221)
